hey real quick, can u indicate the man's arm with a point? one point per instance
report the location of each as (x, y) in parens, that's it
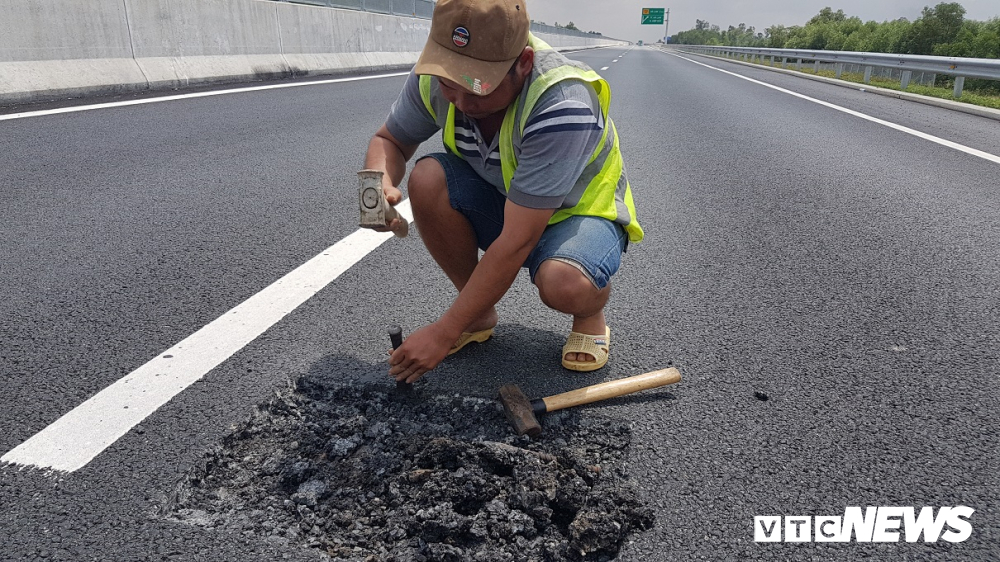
(388, 154)
(498, 267)
(426, 348)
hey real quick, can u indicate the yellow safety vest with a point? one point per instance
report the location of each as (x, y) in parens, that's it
(602, 189)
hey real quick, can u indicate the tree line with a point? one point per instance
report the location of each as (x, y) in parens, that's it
(941, 30)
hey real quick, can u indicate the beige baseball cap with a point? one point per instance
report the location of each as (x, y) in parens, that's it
(475, 42)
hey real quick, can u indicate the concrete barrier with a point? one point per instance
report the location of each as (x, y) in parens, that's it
(68, 48)
(177, 43)
(324, 40)
(64, 46)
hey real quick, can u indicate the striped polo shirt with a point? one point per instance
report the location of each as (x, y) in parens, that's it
(561, 133)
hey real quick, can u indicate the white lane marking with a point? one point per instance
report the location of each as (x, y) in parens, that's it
(605, 68)
(943, 142)
(616, 60)
(73, 440)
(43, 112)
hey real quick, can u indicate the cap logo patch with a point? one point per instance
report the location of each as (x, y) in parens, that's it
(460, 36)
(477, 85)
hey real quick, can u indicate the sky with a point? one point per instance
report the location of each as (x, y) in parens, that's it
(620, 18)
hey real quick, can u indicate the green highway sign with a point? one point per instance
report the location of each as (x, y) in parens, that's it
(652, 16)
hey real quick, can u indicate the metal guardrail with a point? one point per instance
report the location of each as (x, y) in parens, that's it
(960, 68)
(414, 8)
(419, 9)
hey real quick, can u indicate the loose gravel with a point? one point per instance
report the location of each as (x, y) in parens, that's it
(374, 475)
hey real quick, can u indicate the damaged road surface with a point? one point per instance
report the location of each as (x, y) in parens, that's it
(365, 474)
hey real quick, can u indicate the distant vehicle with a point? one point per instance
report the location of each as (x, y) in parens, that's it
(640, 42)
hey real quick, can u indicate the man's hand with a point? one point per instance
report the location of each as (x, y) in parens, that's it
(421, 352)
(386, 153)
(392, 194)
(497, 269)
(396, 224)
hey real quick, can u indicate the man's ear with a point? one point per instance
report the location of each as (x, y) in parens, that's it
(526, 62)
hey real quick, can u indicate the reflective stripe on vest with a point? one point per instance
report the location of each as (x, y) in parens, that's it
(602, 189)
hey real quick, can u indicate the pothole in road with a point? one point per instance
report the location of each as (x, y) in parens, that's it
(364, 474)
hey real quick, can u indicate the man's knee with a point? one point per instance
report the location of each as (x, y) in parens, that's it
(427, 180)
(562, 285)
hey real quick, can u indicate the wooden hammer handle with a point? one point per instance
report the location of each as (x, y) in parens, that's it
(391, 213)
(611, 389)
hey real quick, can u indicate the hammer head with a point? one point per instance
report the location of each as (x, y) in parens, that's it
(519, 411)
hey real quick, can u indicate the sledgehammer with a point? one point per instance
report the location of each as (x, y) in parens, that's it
(376, 212)
(523, 412)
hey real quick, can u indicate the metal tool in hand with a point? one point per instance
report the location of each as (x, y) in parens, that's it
(396, 337)
(376, 212)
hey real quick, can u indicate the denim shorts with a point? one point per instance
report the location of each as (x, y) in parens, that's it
(593, 245)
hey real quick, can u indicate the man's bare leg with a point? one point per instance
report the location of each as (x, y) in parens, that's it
(565, 288)
(446, 232)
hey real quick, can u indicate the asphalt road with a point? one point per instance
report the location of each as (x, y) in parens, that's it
(843, 270)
